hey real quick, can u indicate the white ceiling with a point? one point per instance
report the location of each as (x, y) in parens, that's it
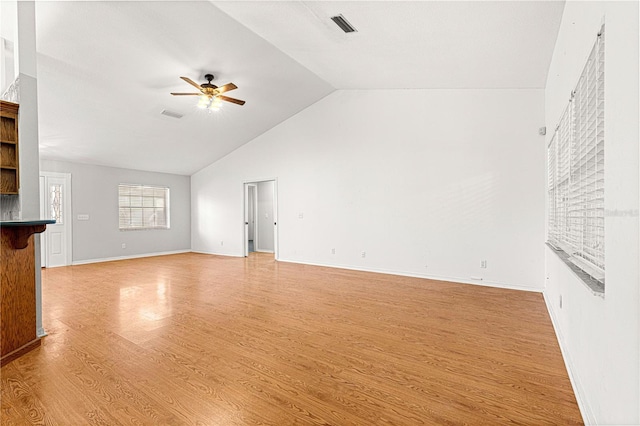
(105, 69)
(411, 44)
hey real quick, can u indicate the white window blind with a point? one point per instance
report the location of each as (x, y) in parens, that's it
(143, 207)
(575, 161)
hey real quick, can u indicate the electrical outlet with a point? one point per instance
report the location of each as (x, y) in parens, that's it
(363, 254)
(483, 264)
(124, 245)
(300, 215)
(333, 251)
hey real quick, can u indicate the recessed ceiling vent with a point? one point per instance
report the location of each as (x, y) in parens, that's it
(343, 24)
(171, 113)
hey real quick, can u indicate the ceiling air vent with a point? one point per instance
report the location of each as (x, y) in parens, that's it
(171, 113)
(343, 24)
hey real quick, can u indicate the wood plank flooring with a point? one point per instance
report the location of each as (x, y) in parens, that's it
(205, 340)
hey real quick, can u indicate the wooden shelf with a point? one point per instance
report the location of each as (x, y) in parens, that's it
(9, 163)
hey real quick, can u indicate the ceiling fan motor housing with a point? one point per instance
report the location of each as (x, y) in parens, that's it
(208, 84)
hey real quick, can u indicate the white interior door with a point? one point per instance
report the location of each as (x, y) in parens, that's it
(56, 194)
(253, 202)
(275, 219)
(246, 220)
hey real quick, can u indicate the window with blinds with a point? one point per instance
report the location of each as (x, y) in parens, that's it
(575, 160)
(143, 207)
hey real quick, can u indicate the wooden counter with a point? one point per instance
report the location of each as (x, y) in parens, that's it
(18, 288)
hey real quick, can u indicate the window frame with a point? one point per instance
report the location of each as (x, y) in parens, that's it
(145, 211)
(576, 175)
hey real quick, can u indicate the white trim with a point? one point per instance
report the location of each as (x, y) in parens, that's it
(276, 240)
(275, 217)
(585, 409)
(217, 254)
(144, 226)
(247, 219)
(256, 221)
(133, 256)
(458, 280)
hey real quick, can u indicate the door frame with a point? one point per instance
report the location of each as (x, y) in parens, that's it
(68, 229)
(254, 218)
(245, 210)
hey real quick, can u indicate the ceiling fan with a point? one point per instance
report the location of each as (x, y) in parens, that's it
(211, 95)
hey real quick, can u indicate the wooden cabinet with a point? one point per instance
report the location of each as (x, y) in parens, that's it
(9, 165)
(18, 288)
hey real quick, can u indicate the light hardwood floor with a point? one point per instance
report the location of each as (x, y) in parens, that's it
(208, 340)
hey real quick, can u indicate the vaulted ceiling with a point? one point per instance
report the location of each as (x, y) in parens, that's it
(105, 69)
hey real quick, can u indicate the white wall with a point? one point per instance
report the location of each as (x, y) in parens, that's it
(599, 336)
(427, 182)
(95, 192)
(23, 18)
(265, 216)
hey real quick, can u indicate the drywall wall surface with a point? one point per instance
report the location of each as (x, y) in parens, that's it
(265, 217)
(599, 335)
(95, 193)
(424, 182)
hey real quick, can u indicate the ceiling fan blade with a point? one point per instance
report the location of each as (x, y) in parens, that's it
(232, 100)
(186, 94)
(191, 82)
(226, 88)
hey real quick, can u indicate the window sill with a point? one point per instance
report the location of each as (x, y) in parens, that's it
(593, 285)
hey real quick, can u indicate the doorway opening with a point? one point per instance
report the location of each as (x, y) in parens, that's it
(260, 217)
(252, 202)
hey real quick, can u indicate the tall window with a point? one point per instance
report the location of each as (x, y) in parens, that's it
(575, 160)
(143, 207)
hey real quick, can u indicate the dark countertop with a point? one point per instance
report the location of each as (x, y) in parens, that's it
(26, 222)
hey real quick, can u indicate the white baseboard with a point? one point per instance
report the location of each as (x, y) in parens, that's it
(426, 276)
(215, 254)
(585, 409)
(133, 256)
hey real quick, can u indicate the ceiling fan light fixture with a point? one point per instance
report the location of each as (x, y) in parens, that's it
(203, 102)
(210, 95)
